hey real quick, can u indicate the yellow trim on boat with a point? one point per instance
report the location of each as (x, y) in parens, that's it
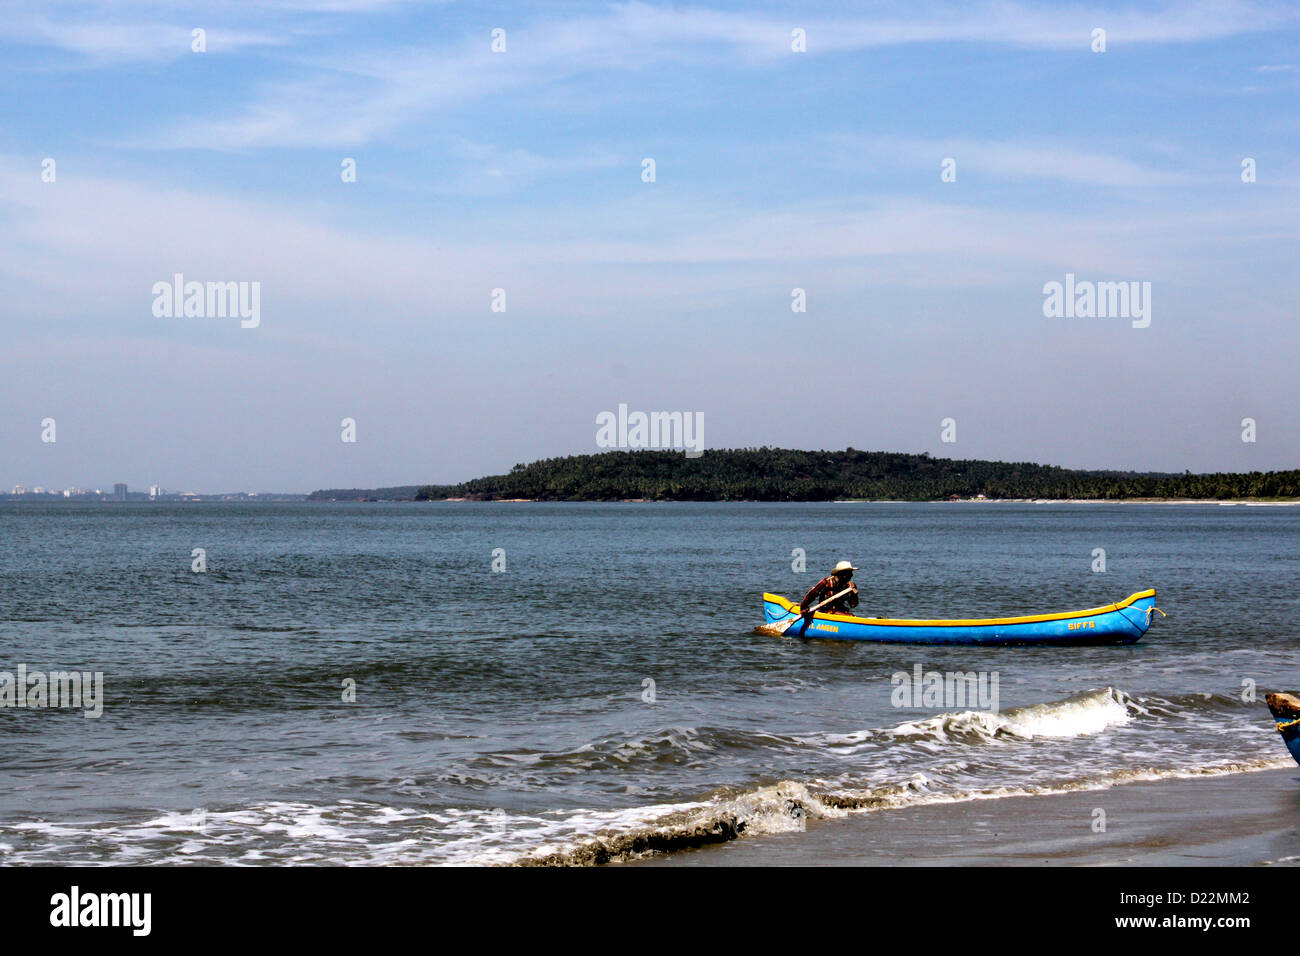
(966, 622)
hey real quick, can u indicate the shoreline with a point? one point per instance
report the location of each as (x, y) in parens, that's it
(1223, 502)
(1226, 502)
(1248, 818)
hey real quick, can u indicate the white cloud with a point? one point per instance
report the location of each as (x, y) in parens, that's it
(1019, 160)
(106, 42)
(72, 247)
(353, 97)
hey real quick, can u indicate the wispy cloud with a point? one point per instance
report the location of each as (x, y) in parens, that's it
(87, 241)
(113, 41)
(1024, 160)
(352, 97)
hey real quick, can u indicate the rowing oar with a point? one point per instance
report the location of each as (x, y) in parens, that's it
(778, 630)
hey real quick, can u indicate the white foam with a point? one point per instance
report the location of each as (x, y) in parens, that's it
(351, 832)
(1070, 718)
(1077, 716)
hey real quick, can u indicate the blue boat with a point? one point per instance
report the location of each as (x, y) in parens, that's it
(1286, 711)
(1121, 623)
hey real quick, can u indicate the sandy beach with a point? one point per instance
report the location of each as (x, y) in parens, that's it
(1237, 819)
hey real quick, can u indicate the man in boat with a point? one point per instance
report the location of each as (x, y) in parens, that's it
(839, 580)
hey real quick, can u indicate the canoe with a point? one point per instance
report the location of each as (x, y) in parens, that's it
(1121, 623)
(1286, 711)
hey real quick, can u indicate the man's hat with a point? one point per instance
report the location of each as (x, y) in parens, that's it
(843, 566)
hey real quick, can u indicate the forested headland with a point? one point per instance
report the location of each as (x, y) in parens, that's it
(778, 474)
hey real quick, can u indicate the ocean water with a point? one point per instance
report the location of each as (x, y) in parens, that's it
(509, 716)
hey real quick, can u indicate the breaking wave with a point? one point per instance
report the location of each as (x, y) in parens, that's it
(975, 753)
(1087, 713)
(788, 805)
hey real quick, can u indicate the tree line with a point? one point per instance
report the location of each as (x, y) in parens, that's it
(778, 474)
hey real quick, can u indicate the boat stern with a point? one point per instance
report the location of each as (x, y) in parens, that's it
(1138, 609)
(1285, 709)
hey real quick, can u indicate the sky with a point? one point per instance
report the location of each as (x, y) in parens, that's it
(921, 171)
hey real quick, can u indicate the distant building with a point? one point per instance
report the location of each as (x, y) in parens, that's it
(156, 491)
(19, 490)
(119, 491)
(38, 490)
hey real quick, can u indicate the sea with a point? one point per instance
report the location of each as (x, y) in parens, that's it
(580, 683)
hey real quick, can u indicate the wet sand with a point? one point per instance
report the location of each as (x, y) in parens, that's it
(1239, 819)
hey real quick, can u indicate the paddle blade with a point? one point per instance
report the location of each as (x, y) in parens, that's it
(776, 630)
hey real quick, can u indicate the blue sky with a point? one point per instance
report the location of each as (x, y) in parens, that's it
(522, 170)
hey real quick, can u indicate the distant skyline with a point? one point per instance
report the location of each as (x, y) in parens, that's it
(1172, 158)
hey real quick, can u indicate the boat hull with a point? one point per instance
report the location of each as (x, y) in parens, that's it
(1286, 711)
(1122, 623)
